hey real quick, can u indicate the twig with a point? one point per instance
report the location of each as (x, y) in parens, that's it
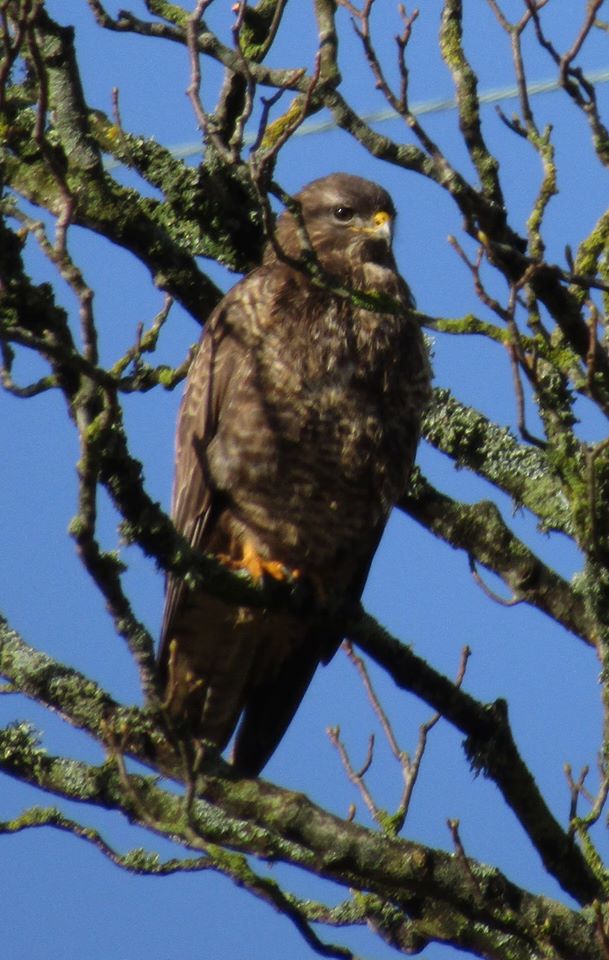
(417, 759)
(363, 30)
(145, 342)
(115, 751)
(232, 865)
(590, 359)
(135, 861)
(12, 45)
(509, 602)
(105, 568)
(116, 110)
(57, 253)
(567, 59)
(48, 382)
(507, 314)
(357, 777)
(474, 268)
(515, 30)
(383, 719)
(67, 208)
(453, 826)
(194, 88)
(245, 112)
(273, 137)
(576, 789)
(398, 103)
(409, 767)
(267, 105)
(573, 80)
(517, 362)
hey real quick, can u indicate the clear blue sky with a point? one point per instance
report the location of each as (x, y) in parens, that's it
(60, 898)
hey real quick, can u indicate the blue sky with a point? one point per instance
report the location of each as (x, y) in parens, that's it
(61, 898)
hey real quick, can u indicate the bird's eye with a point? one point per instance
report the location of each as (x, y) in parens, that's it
(344, 214)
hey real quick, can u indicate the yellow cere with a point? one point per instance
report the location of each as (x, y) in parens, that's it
(381, 217)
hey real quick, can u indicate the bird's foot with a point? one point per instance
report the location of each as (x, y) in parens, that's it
(258, 567)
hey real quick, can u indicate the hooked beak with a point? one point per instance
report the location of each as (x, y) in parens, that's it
(382, 226)
(378, 227)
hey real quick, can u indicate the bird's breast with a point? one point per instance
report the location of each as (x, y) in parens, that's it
(328, 425)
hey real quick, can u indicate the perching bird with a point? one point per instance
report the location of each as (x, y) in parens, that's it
(296, 436)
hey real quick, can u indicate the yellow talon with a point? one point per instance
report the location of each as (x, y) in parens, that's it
(257, 566)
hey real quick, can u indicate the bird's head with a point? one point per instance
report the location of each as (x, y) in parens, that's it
(349, 221)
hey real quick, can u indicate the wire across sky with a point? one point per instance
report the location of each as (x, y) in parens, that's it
(419, 109)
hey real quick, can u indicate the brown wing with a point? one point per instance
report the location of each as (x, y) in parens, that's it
(217, 361)
(217, 659)
(201, 663)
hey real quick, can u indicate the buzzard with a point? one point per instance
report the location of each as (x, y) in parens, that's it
(296, 436)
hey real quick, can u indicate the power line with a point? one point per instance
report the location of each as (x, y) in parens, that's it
(419, 110)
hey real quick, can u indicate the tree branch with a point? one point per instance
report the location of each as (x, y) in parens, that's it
(479, 530)
(409, 876)
(490, 749)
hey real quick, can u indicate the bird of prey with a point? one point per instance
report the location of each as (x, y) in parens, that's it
(296, 436)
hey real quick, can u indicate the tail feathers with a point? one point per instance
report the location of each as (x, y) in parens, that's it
(222, 661)
(270, 708)
(206, 665)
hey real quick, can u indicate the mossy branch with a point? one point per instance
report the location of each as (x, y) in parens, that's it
(278, 825)
(480, 531)
(466, 85)
(232, 865)
(491, 451)
(489, 743)
(491, 750)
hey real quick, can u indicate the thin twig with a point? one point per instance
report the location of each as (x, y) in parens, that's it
(414, 767)
(267, 105)
(410, 767)
(269, 143)
(237, 138)
(193, 90)
(509, 602)
(356, 777)
(48, 382)
(453, 826)
(576, 788)
(383, 719)
(567, 59)
(116, 109)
